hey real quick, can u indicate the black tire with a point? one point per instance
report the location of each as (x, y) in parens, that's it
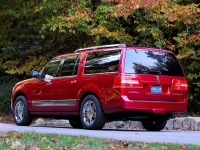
(91, 113)
(76, 123)
(21, 113)
(154, 125)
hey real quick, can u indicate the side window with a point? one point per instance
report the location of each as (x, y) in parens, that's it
(70, 66)
(102, 62)
(52, 68)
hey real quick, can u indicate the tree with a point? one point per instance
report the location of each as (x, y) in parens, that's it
(33, 31)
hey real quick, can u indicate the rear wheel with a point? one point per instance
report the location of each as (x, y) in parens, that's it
(21, 113)
(76, 123)
(91, 113)
(154, 125)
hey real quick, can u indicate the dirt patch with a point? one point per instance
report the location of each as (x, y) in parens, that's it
(6, 118)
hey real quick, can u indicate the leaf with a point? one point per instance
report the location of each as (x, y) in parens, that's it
(17, 145)
(126, 144)
(12, 133)
(66, 148)
(20, 137)
(5, 142)
(164, 147)
(44, 139)
(115, 147)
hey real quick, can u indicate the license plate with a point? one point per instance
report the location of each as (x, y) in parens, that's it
(156, 89)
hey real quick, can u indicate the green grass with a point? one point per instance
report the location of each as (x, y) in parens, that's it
(34, 141)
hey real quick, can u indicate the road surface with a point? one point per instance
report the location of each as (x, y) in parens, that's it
(164, 136)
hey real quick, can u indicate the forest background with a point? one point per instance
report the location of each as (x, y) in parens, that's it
(33, 31)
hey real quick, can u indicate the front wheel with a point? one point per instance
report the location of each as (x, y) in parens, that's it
(21, 113)
(154, 125)
(91, 113)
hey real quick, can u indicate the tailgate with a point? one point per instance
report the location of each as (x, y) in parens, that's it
(155, 88)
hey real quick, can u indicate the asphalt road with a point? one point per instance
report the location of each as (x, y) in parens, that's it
(181, 137)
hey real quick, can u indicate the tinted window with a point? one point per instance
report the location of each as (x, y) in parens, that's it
(146, 62)
(51, 69)
(101, 62)
(70, 66)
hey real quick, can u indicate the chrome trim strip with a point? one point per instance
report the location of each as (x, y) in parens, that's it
(100, 73)
(143, 101)
(61, 77)
(42, 103)
(67, 102)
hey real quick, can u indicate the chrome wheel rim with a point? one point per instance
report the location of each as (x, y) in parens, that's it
(19, 111)
(89, 112)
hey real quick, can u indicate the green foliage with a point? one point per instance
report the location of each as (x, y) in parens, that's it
(23, 47)
(5, 95)
(33, 31)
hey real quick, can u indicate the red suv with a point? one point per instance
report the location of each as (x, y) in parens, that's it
(95, 85)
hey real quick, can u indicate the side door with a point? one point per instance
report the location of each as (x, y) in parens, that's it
(41, 96)
(65, 87)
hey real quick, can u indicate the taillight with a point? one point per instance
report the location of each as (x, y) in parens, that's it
(180, 85)
(127, 81)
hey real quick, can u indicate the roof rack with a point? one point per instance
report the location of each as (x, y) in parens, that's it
(99, 47)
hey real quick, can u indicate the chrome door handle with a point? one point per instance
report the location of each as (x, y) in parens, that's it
(72, 82)
(49, 83)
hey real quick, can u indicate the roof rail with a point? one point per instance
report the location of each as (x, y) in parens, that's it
(99, 47)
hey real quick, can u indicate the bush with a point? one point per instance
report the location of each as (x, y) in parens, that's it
(194, 105)
(5, 95)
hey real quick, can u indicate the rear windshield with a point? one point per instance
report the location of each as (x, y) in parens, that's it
(151, 62)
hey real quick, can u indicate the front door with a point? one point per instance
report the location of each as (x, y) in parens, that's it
(41, 96)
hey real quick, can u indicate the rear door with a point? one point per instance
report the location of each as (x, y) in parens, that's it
(159, 73)
(65, 87)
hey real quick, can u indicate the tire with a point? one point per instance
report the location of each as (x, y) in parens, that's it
(21, 113)
(76, 123)
(91, 113)
(154, 125)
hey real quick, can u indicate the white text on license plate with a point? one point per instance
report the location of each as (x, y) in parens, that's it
(156, 89)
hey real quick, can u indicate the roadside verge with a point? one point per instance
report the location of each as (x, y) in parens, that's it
(179, 123)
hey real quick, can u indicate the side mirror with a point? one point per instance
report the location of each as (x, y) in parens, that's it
(34, 73)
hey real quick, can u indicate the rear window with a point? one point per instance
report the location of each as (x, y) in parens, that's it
(151, 62)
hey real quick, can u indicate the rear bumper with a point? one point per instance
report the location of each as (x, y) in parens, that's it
(153, 107)
(160, 107)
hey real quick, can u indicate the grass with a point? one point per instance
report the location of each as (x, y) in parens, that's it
(34, 141)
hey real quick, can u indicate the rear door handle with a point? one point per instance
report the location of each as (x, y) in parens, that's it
(72, 82)
(49, 83)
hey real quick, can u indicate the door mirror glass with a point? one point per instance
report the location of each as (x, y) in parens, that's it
(34, 73)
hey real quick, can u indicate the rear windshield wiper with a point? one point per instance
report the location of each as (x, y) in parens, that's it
(152, 71)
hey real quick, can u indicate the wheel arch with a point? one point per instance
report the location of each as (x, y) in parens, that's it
(86, 94)
(20, 110)
(14, 98)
